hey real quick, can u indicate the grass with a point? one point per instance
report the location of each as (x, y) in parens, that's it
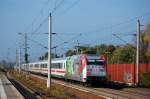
(39, 86)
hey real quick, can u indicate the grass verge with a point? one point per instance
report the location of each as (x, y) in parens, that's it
(39, 87)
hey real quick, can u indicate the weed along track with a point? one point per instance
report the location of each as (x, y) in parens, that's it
(122, 93)
(38, 85)
(63, 89)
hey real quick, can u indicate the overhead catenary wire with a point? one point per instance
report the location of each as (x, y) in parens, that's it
(122, 40)
(71, 6)
(39, 44)
(57, 6)
(127, 21)
(65, 42)
(68, 34)
(109, 27)
(46, 18)
(40, 25)
(36, 17)
(68, 41)
(54, 10)
(120, 23)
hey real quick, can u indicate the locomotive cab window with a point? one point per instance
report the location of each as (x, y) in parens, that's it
(95, 62)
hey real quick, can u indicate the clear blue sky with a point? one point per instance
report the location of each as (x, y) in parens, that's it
(91, 18)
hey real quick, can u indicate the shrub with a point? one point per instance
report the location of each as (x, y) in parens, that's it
(146, 79)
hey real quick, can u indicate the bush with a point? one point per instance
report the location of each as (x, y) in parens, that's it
(146, 79)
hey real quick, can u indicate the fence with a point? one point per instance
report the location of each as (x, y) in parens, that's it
(125, 73)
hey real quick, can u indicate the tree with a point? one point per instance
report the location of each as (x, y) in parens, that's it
(147, 38)
(84, 49)
(45, 56)
(143, 48)
(101, 48)
(111, 48)
(145, 45)
(70, 53)
(148, 32)
(124, 54)
(148, 55)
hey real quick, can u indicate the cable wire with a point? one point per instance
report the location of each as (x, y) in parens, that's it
(57, 6)
(41, 24)
(39, 44)
(69, 8)
(118, 24)
(41, 10)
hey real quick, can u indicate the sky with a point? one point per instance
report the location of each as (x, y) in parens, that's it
(87, 22)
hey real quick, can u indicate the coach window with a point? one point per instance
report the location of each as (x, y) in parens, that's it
(31, 65)
(57, 65)
(53, 65)
(45, 65)
(36, 65)
(41, 65)
(60, 65)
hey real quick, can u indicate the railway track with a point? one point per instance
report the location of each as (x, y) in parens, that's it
(127, 93)
(142, 91)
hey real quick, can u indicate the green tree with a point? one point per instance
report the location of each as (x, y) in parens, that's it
(147, 37)
(145, 45)
(148, 54)
(101, 48)
(111, 48)
(124, 54)
(70, 53)
(143, 48)
(45, 56)
(84, 48)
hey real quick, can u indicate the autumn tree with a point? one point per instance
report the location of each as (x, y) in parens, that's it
(143, 48)
(45, 56)
(70, 53)
(123, 54)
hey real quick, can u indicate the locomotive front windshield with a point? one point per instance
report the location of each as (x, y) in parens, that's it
(95, 62)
